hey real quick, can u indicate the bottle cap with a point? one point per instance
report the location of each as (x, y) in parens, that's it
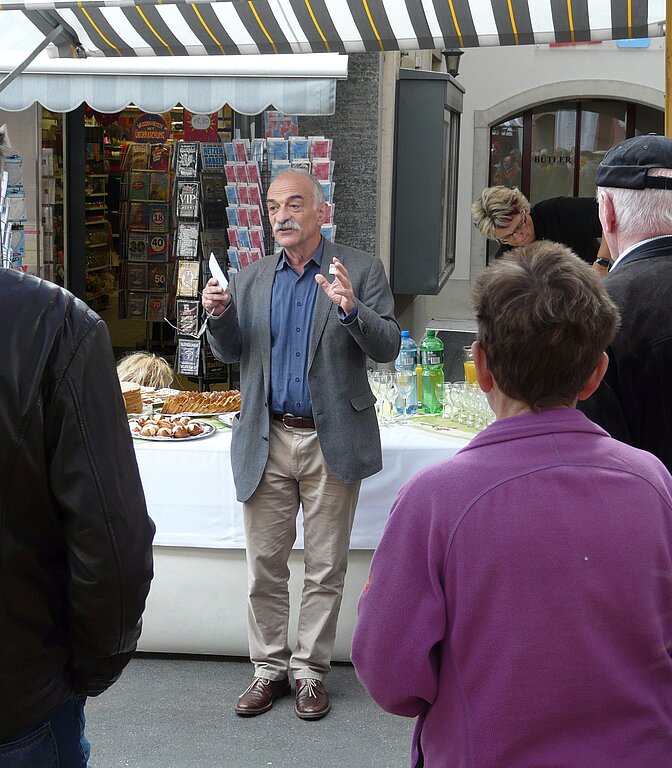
(405, 334)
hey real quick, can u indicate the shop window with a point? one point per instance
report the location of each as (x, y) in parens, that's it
(537, 150)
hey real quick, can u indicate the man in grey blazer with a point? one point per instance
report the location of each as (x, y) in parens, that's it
(301, 323)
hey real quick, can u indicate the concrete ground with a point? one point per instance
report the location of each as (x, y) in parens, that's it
(177, 712)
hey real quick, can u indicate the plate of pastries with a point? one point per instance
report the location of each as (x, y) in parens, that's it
(162, 428)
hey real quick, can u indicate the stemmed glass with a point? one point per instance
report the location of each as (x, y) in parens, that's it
(390, 394)
(405, 381)
(377, 383)
(442, 392)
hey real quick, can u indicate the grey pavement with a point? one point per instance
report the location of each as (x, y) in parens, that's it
(177, 712)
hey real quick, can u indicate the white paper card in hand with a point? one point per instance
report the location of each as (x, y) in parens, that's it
(216, 272)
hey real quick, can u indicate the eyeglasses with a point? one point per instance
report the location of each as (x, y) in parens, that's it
(518, 232)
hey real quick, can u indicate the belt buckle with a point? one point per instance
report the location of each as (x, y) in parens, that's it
(287, 416)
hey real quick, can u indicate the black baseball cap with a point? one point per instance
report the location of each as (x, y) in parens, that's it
(626, 165)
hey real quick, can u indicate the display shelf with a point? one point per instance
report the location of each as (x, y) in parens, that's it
(97, 221)
(51, 181)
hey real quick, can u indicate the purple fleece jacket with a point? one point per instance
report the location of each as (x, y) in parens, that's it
(520, 602)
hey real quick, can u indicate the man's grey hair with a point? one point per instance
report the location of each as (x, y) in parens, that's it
(496, 207)
(318, 192)
(642, 210)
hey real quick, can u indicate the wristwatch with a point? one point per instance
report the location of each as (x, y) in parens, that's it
(603, 262)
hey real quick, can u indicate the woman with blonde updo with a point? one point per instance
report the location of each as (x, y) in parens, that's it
(146, 369)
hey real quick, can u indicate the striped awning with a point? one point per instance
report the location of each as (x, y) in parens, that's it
(197, 27)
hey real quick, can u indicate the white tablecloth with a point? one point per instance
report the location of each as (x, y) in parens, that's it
(191, 496)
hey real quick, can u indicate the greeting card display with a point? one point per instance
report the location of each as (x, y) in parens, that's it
(186, 160)
(213, 187)
(137, 277)
(298, 148)
(187, 279)
(211, 365)
(138, 185)
(137, 305)
(241, 149)
(187, 199)
(137, 246)
(159, 187)
(187, 316)
(157, 247)
(157, 278)
(156, 307)
(319, 147)
(159, 157)
(186, 240)
(188, 354)
(212, 155)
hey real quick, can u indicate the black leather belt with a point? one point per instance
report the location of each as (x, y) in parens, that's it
(297, 422)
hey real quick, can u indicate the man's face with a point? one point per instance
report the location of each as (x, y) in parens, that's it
(292, 213)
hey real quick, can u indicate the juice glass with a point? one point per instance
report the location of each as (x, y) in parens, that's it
(469, 366)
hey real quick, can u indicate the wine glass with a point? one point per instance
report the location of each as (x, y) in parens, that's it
(405, 381)
(377, 383)
(390, 395)
(442, 395)
(457, 393)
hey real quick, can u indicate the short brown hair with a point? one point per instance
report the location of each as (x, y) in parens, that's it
(544, 319)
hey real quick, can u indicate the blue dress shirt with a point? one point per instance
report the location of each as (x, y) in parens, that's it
(292, 305)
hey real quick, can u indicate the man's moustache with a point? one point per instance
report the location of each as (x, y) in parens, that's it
(281, 226)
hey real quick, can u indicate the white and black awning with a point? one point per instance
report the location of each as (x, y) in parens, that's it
(156, 53)
(196, 27)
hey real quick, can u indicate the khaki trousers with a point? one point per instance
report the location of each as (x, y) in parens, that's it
(296, 475)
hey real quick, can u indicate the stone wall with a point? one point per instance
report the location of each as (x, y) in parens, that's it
(354, 130)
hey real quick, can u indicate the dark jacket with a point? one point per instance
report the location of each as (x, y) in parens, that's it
(572, 221)
(633, 401)
(75, 537)
(342, 401)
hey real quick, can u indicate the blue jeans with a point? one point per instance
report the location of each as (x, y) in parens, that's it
(57, 742)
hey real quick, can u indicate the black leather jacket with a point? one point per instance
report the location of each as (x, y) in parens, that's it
(75, 537)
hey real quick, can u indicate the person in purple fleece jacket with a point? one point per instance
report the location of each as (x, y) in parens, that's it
(519, 604)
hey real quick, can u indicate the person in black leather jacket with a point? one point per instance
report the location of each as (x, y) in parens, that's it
(75, 537)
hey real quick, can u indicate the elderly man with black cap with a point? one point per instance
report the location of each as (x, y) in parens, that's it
(633, 402)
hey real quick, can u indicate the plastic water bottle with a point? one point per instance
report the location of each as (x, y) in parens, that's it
(431, 360)
(407, 360)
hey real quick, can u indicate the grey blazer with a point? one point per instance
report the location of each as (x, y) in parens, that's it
(342, 401)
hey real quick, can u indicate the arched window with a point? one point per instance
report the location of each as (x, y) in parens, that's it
(537, 150)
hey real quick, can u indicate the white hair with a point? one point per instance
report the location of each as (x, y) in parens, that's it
(642, 210)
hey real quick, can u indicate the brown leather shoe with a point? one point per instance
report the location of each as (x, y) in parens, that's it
(312, 701)
(260, 695)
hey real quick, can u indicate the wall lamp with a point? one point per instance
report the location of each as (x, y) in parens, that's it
(452, 59)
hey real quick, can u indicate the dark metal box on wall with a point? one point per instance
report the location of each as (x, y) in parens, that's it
(455, 334)
(426, 167)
